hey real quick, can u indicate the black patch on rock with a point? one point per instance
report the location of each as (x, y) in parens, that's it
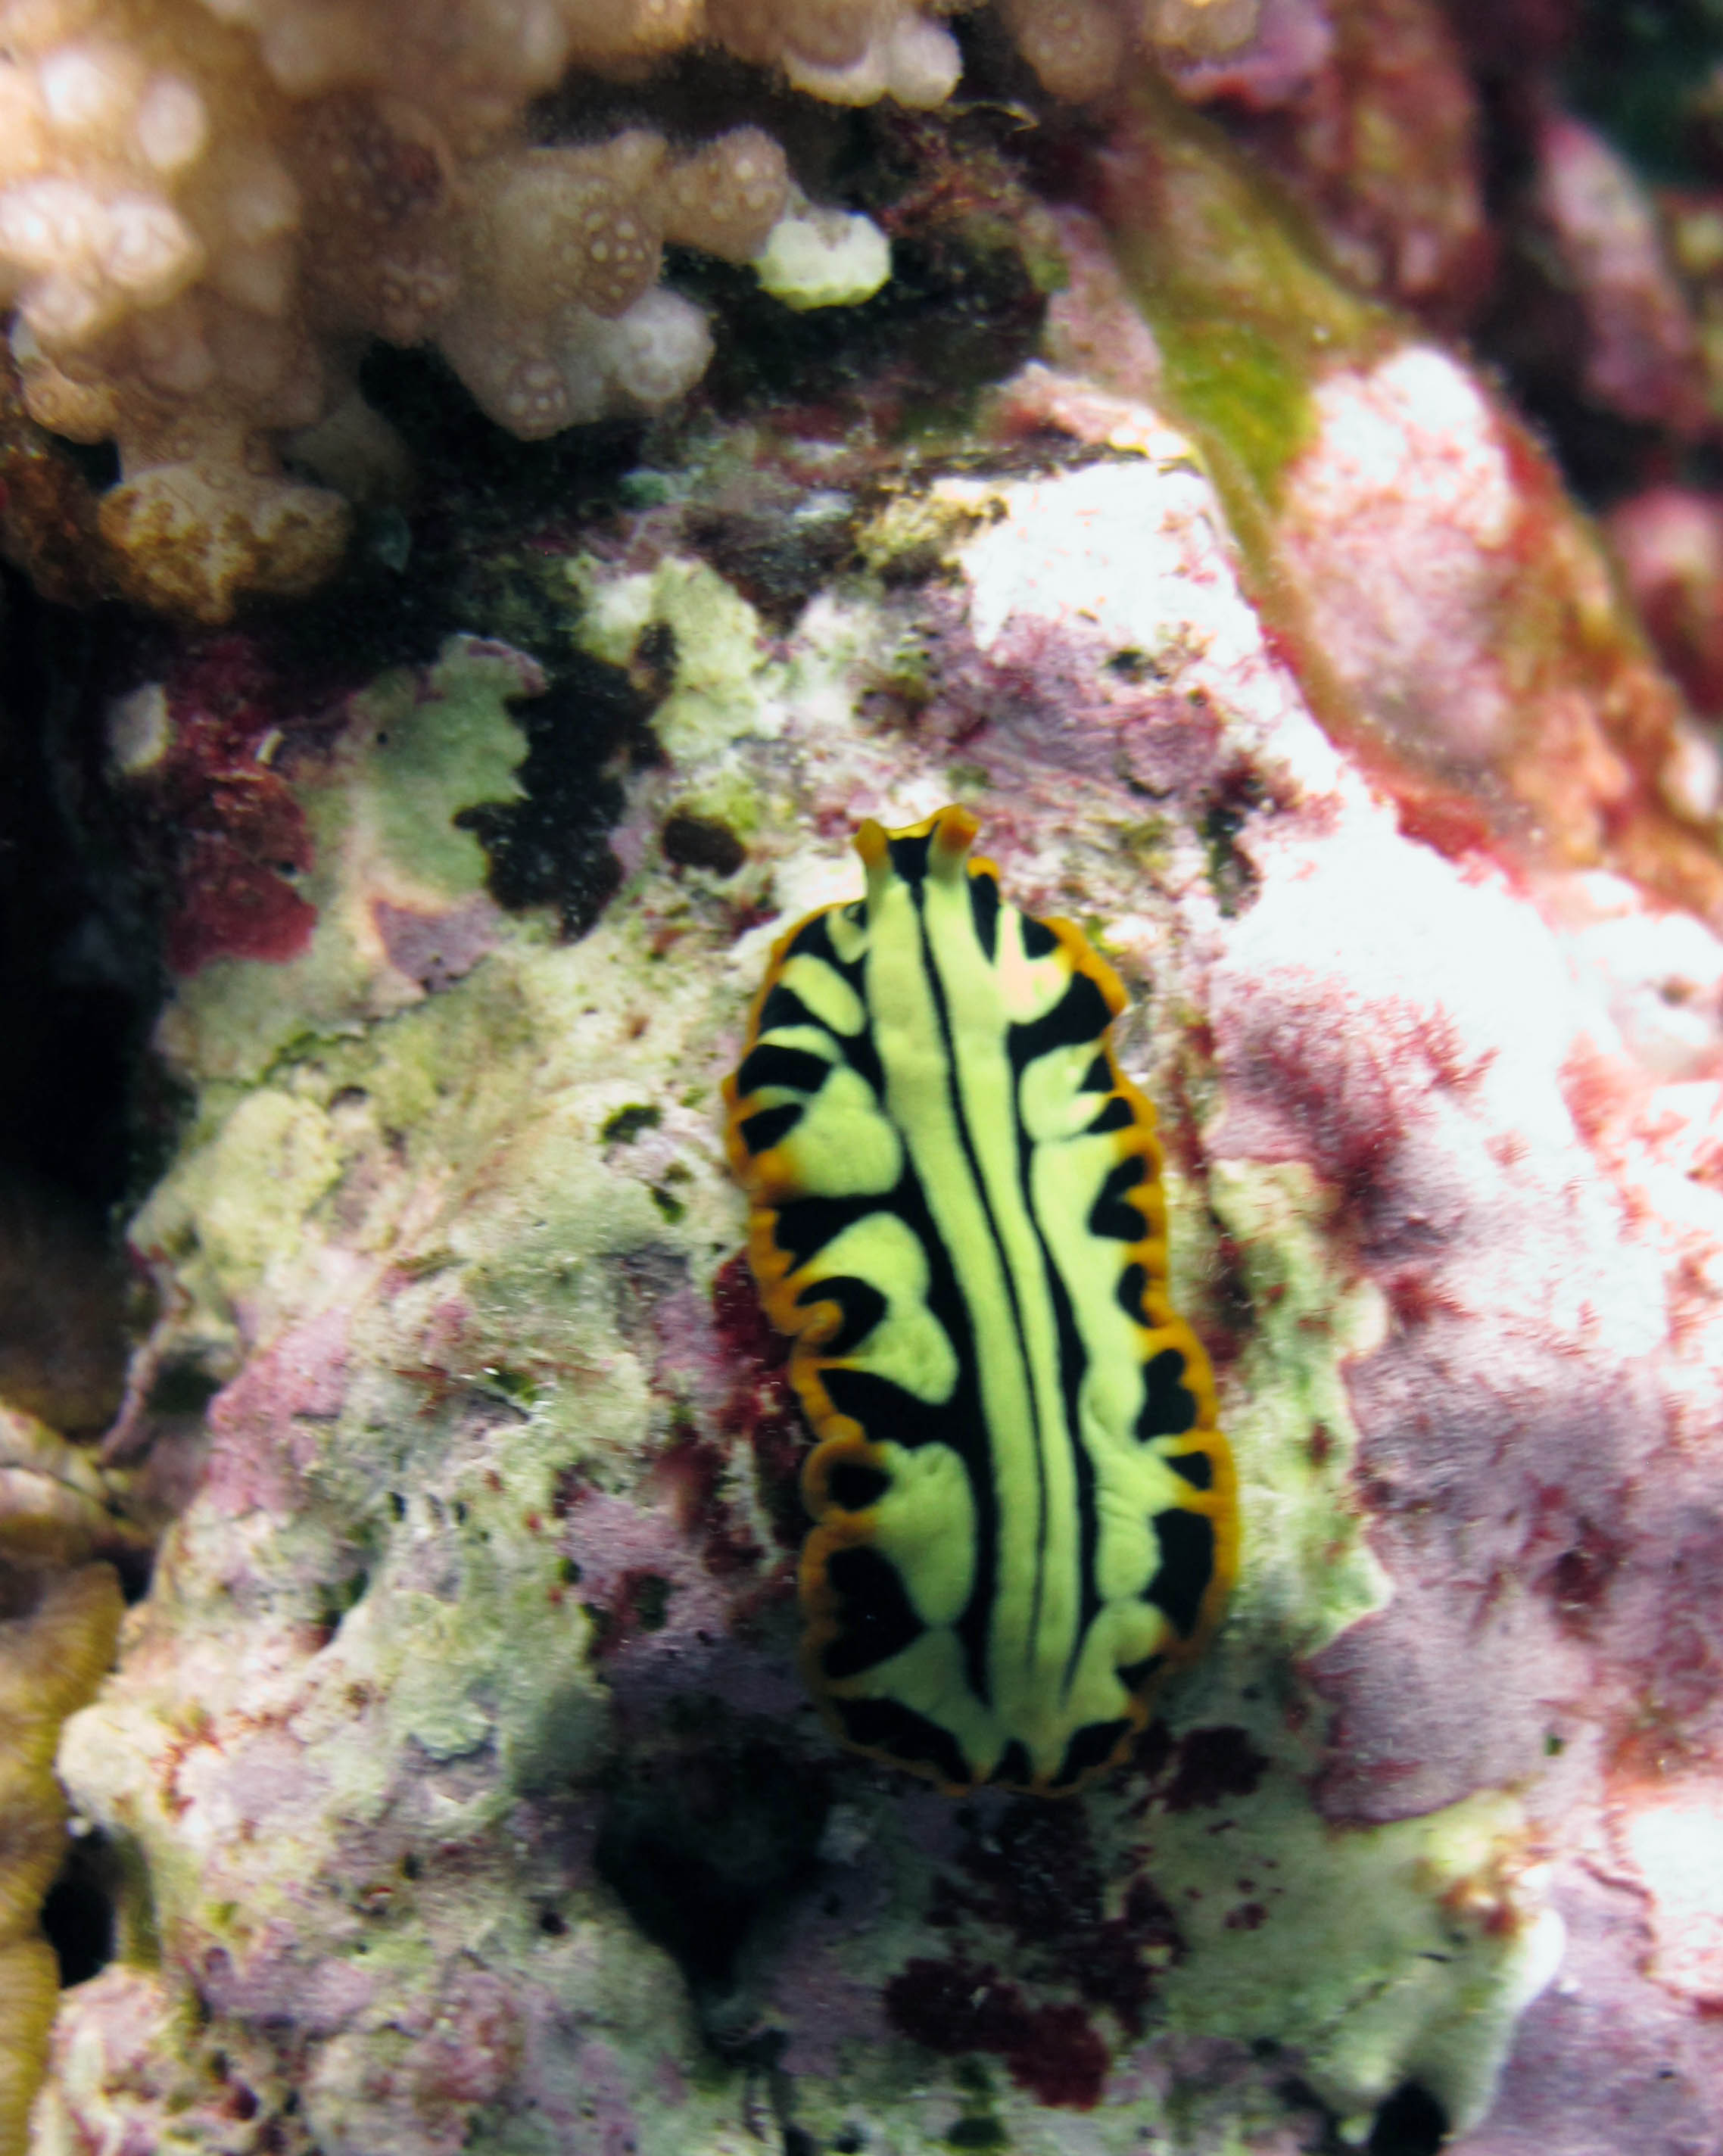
(777, 555)
(703, 1846)
(1231, 871)
(702, 842)
(552, 849)
(1410, 2122)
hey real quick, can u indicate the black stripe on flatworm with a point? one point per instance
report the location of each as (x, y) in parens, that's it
(861, 1305)
(813, 940)
(1115, 1116)
(783, 1008)
(884, 1409)
(1038, 939)
(1092, 1747)
(984, 905)
(1134, 1676)
(878, 1617)
(760, 1133)
(1186, 1540)
(1168, 1409)
(1013, 1767)
(1111, 1214)
(771, 1065)
(909, 856)
(863, 1057)
(854, 1487)
(804, 1226)
(1080, 1014)
(1197, 1468)
(882, 1725)
(1098, 1078)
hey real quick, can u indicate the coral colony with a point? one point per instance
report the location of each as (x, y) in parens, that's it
(206, 212)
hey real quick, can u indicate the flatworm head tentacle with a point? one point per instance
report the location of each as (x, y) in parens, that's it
(1024, 1512)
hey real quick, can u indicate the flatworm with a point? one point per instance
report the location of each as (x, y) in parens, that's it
(1024, 1513)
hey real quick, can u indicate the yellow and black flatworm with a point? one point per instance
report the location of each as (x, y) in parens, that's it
(1023, 1511)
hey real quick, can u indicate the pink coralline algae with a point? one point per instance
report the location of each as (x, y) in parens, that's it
(1642, 350)
(1465, 615)
(1669, 541)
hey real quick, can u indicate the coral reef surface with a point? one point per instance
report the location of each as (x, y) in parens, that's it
(454, 1768)
(446, 1784)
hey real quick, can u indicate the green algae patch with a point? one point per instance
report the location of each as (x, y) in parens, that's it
(1308, 1571)
(1245, 313)
(712, 635)
(388, 850)
(426, 752)
(916, 536)
(232, 1205)
(1381, 1955)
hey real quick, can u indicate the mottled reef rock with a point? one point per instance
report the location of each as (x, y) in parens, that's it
(454, 1769)
(450, 1784)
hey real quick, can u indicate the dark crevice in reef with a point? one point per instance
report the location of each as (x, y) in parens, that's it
(78, 1916)
(704, 1849)
(1635, 74)
(74, 988)
(476, 546)
(961, 309)
(77, 991)
(1409, 2123)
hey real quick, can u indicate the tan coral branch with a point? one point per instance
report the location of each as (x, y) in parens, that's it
(55, 1641)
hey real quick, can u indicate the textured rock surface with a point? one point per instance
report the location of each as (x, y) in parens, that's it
(455, 1765)
(452, 1788)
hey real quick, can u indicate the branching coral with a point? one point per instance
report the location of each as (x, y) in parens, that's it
(202, 222)
(206, 214)
(56, 1636)
(59, 1613)
(208, 211)
(1080, 48)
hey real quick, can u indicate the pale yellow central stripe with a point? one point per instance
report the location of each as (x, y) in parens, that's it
(1029, 1652)
(1030, 1666)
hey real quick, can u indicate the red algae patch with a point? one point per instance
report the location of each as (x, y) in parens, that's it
(760, 1407)
(953, 2007)
(1214, 1765)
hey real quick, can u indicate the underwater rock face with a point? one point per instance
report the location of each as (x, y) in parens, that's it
(455, 1770)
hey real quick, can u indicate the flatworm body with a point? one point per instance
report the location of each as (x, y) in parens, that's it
(1023, 1511)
